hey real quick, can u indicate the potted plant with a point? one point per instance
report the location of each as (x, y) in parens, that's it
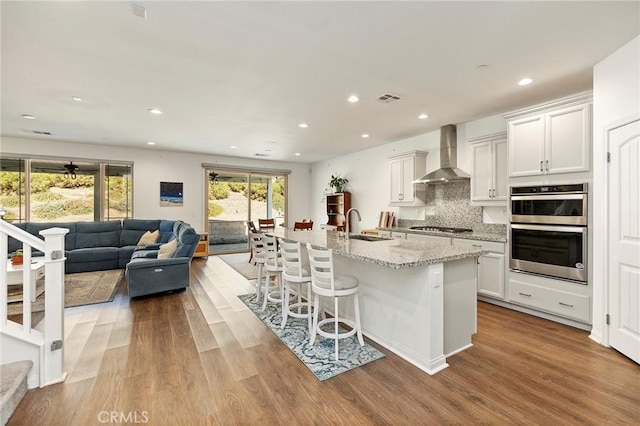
(337, 182)
(16, 257)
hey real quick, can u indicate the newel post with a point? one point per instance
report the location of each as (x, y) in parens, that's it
(53, 361)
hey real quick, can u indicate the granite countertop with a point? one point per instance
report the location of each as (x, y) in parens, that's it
(480, 236)
(394, 254)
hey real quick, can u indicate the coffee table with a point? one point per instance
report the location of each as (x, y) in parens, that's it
(14, 278)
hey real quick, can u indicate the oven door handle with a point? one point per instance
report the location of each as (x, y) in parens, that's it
(548, 197)
(552, 228)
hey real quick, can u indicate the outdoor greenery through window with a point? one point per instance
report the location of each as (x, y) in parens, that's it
(45, 190)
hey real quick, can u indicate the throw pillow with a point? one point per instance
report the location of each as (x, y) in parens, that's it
(149, 238)
(167, 250)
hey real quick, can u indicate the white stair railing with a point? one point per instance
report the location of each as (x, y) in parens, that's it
(18, 338)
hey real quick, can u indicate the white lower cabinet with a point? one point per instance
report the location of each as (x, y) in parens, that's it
(491, 267)
(429, 238)
(557, 297)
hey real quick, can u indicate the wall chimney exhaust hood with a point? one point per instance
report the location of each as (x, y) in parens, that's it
(448, 172)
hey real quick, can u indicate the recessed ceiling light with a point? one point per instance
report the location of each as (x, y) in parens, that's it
(423, 116)
(233, 147)
(525, 81)
(364, 135)
(297, 154)
(77, 98)
(353, 98)
(29, 117)
(155, 111)
(151, 143)
(303, 125)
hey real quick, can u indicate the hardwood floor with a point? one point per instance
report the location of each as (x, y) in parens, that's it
(201, 357)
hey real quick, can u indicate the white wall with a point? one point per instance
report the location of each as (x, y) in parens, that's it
(368, 171)
(151, 166)
(616, 99)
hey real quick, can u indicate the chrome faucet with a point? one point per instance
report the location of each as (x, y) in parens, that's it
(346, 222)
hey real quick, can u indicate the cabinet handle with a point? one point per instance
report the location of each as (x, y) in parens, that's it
(541, 169)
(565, 304)
(476, 245)
(494, 192)
(524, 294)
(547, 165)
(489, 192)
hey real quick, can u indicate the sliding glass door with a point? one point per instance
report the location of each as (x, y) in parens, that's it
(237, 196)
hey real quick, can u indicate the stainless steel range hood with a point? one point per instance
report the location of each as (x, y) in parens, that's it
(448, 171)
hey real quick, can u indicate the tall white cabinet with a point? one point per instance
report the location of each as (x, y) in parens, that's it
(552, 138)
(489, 170)
(404, 169)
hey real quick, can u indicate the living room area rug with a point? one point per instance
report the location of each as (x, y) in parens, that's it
(240, 263)
(319, 358)
(83, 288)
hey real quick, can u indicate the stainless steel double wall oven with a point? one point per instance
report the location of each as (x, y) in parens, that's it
(549, 231)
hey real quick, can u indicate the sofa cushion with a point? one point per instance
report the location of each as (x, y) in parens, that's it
(133, 229)
(166, 230)
(187, 240)
(93, 254)
(149, 238)
(168, 249)
(34, 228)
(98, 234)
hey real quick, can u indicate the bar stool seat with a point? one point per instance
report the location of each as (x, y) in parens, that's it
(294, 273)
(325, 283)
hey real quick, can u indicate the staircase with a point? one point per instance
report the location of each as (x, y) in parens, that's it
(13, 386)
(31, 357)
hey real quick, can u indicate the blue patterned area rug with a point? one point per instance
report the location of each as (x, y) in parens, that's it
(319, 358)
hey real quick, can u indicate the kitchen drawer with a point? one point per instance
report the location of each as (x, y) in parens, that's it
(429, 238)
(570, 305)
(399, 235)
(385, 234)
(486, 245)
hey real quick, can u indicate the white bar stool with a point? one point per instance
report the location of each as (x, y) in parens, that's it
(325, 283)
(294, 273)
(273, 266)
(257, 257)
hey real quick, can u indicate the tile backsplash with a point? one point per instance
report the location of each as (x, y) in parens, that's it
(449, 205)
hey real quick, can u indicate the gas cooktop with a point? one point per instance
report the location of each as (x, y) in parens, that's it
(441, 229)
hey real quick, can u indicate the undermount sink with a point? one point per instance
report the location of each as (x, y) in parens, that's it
(368, 238)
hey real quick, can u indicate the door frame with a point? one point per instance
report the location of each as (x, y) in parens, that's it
(601, 285)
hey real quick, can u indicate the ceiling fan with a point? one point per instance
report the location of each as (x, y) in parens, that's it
(70, 170)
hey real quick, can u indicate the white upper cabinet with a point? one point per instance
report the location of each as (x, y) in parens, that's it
(489, 170)
(404, 169)
(550, 139)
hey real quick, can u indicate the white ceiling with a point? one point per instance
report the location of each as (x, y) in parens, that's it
(246, 73)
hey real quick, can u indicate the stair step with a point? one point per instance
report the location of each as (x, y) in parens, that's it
(13, 386)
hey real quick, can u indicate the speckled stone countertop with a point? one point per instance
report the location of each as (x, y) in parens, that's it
(394, 254)
(480, 236)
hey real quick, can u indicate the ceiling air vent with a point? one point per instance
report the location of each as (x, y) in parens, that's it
(387, 98)
(39, 132)
(261, 155)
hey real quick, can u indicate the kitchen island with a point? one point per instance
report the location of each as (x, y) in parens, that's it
(417, 299)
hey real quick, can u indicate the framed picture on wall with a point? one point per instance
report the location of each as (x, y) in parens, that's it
(171, 194)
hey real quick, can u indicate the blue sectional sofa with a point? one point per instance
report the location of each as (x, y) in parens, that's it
(93, 246)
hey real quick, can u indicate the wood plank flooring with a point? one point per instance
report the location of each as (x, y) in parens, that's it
(201, 357)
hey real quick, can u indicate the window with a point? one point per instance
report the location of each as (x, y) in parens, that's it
(52, 190)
